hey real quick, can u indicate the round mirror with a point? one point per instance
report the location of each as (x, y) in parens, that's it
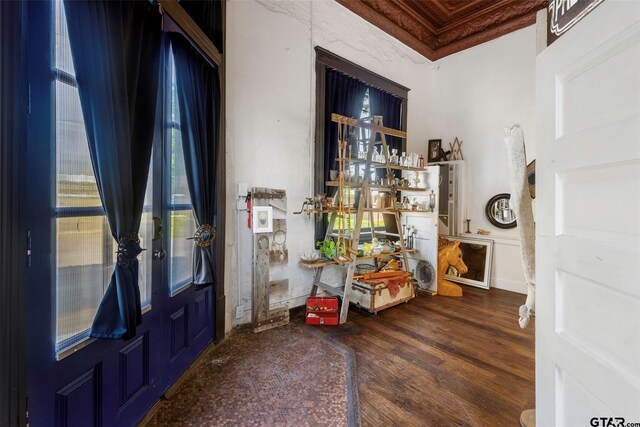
(499, 213)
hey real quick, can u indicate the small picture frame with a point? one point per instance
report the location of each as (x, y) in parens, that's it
(262, 219)
(435, 147)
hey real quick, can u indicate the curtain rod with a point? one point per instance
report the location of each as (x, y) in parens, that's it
(369, 85)
(331, 60)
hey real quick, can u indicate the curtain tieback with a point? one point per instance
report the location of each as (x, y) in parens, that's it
(204, 236)
(128, 249)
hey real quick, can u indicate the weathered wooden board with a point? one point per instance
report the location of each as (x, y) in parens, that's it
(277, 317)
(269, 197)
(265, 252)
(260, 303)
(278, 289)
(279, 254)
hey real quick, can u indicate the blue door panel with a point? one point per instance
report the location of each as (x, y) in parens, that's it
(194, 312)
(78, 403)
(120, 375)
(134, 369)
(201, 314)
(203, 330)
(179, 331)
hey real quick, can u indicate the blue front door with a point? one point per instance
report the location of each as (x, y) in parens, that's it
(74, 380)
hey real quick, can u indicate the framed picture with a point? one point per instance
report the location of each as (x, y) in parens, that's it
(435, 146)
(477, 255)
(262, 219)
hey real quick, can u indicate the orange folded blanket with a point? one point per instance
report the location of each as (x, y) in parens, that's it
(394, 283)
(379, 274)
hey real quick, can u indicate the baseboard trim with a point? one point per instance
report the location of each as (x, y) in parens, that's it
(509, 285)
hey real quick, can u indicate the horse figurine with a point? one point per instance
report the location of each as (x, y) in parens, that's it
(449, 254)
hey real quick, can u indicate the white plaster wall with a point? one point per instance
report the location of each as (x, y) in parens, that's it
(507, 272)
(473, 95)
(270, 83)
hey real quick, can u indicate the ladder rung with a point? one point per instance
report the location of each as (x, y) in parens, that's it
(365, 233)
(325, 285)
(387, 233)
(334, 290)
(336, 235)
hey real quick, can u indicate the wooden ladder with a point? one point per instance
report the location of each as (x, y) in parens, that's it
(363, 198)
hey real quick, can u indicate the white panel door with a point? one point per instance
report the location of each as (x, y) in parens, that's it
(588, 221)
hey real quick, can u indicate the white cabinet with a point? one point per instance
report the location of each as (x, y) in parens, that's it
(425, 223)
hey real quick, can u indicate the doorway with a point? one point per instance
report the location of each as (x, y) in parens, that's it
(74, 379)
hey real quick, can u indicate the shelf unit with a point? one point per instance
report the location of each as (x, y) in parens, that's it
(342, 213)
(380, 165)
(350, 184)
(375, 210)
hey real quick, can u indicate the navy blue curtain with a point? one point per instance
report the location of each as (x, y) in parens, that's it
(344, 95)
(198, 87)
(208, 15)
(116, 50)
(388, 106)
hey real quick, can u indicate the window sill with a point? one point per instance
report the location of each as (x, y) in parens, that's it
(86, 341)
(181, 288)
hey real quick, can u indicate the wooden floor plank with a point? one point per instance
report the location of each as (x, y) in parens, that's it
(441, 361)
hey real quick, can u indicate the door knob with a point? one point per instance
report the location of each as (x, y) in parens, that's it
(159, 254)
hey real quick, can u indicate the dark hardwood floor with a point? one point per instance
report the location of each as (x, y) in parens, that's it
(440, 361)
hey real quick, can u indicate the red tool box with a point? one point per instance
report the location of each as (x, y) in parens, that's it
(322, 311)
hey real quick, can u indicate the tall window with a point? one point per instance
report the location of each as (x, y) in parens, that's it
(85, 249)
(182, 224)
(326, 60)
(358, 169)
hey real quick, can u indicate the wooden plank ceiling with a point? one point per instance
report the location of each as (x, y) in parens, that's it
(437, 28)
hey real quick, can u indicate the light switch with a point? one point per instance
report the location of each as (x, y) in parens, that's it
(242, 189)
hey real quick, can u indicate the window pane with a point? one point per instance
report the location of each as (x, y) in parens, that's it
(146, 237)
(86, 256)
(86, 251)
(81, 274)
(145, 258)
(63, 49)
(76, 183)
(182, 226)
(181, 221)
(179, 186)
